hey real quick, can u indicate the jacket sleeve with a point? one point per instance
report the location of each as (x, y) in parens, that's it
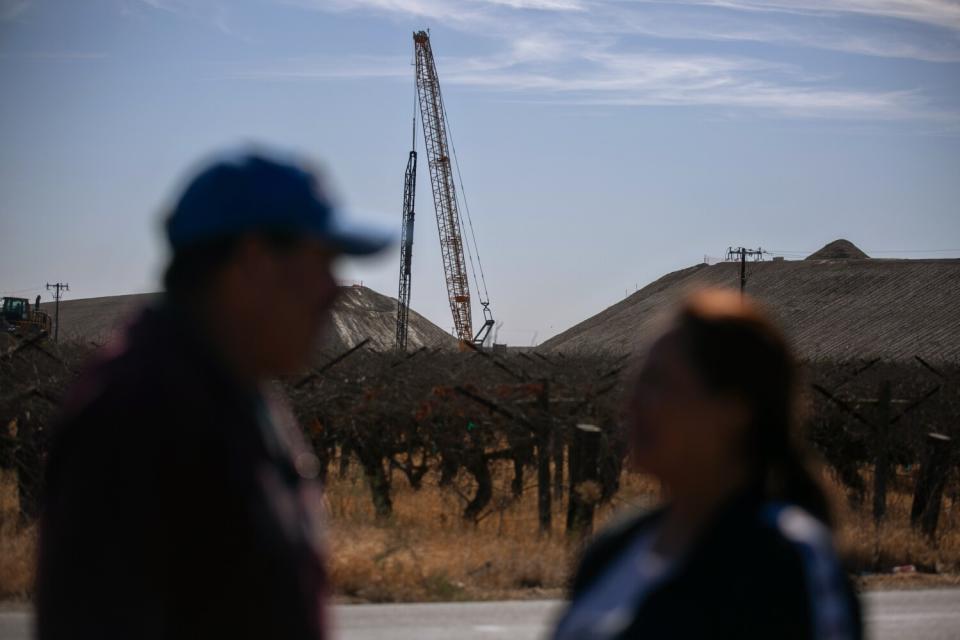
(604, 549)
(801, 590)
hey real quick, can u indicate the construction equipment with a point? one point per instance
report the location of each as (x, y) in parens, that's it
(19, 318)
(406, 246)
(449, 222)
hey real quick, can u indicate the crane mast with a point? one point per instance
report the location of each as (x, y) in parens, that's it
(406, 248)
(444, 193)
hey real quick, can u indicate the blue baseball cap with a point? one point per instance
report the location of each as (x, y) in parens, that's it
(257, 191)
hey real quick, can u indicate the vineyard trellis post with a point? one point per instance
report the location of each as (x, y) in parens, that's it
(584, 479)
(557, 437)
(881, 468)
(928, 493)
(543, 459)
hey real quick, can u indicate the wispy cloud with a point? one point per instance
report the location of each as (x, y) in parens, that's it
(942, 13)
(700, 22)
(603, 53)
(698, 81)
(821, 24)
(543, 5)
(451, 12)
(444, 8)
(603, 77)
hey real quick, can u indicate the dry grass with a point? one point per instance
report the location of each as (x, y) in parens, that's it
(17, 544)
(894, 542)
(426, 552)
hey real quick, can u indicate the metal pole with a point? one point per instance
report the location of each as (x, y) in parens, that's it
(928, 492)
(543, 460)
(882, 460)
(743, 270)
(57, 288)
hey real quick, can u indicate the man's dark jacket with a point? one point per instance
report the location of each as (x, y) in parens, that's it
(758, 571)
(176, 503)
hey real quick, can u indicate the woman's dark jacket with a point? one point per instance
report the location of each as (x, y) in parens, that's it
(759, 571)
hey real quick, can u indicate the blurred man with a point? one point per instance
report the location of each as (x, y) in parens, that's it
(180, 500)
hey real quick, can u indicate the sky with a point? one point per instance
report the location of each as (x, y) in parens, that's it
(601, 144)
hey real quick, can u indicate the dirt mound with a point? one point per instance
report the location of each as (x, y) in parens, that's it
(833, 309)
(97, 319)
(359, 313)
(839, 250)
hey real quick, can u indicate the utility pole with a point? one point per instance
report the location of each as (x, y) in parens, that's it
(741, 253)
(58, 290)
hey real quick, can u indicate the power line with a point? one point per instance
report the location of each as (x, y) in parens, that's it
(915, 251)
(869, 251)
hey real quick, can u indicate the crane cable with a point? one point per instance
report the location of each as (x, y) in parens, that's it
(485, 300)
(462, 230)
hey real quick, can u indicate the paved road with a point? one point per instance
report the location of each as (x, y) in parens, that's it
(925, 615)
(922, 615)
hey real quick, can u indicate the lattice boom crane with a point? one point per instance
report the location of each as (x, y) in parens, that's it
(406, 248)
(449, 222)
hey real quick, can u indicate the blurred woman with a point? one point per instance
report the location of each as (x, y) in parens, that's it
(743, 546)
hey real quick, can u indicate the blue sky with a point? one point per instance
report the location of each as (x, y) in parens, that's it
(602, 144)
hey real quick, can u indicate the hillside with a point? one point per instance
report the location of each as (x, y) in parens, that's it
(359, 313)
(832, 306)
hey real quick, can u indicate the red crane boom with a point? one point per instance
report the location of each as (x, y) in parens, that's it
(449, 225)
